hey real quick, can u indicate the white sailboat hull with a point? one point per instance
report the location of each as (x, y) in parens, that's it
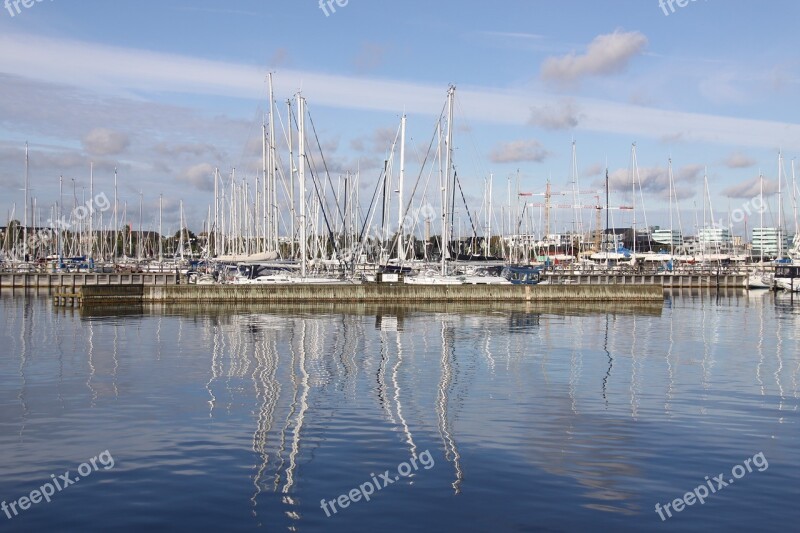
(433, 280)
(484, 280)
(786, 284)
(759, 281)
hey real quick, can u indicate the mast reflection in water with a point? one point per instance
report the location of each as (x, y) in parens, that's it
(537, 417)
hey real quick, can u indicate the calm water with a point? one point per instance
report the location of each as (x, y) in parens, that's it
(518, 419)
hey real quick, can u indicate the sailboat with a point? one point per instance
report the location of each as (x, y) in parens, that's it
(787, 278)
(442, 277)
(760, 280)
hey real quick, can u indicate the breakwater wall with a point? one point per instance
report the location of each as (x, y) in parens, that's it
(668, 281)
(71, 281)
(368, 292)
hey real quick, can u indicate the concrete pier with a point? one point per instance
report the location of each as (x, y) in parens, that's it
(670, 281)
(368, 292)
(396, 309)
(10, 280)
(700, 280)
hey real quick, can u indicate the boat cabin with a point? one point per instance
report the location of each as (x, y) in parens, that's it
(522, 275)
(787, 271)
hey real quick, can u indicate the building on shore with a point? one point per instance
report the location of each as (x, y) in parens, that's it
(715, 240)
(666, 239)
(766, 242)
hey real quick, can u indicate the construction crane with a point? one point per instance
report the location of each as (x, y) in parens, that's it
(548, 203)
(598, 207)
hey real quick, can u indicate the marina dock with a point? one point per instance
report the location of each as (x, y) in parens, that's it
(698, 280)
(14, 280)
(367, 292)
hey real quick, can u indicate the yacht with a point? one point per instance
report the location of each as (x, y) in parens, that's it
(787, 277)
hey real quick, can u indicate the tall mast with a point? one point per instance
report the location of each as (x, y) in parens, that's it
(576, 212)
(91, 210)
(448, 176)
(160, 228)
(141, 202)
(59, 233)
(671, 231)
(128, 226)
(780, 206)
(291, 180)
(510, 257)
(216, 212)
(401, 253)
(181, 244)
(215, 220)
(633, 190)
(264, 187)
(443, 189)
(489, 217)
(608, 214)
(208, 234)
(116, 222)
(25, 220)
(794, 202)
(301, 168)
(272, 197)
(84, 228)
(716, 239)
(761, 221)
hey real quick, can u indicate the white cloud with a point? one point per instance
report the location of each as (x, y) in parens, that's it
(128, 71)
(179, 150)
(606, 54)
(521, 151)
(739, 160)
(199, 176)
(655, 180)
(560, 116)
(103, 141)
(596, 169)
(751, 188)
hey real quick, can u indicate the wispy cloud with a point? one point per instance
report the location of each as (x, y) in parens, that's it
(370, 57)
(594, 170)
(739, 160)
(200, 176)
(380, 141)
(104, 141)
(655, 181)
(751, 188)
(130, 72)
(560, 116)
(523, 151)
(606, 54)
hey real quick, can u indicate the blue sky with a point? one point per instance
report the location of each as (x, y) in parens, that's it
(168, 90)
